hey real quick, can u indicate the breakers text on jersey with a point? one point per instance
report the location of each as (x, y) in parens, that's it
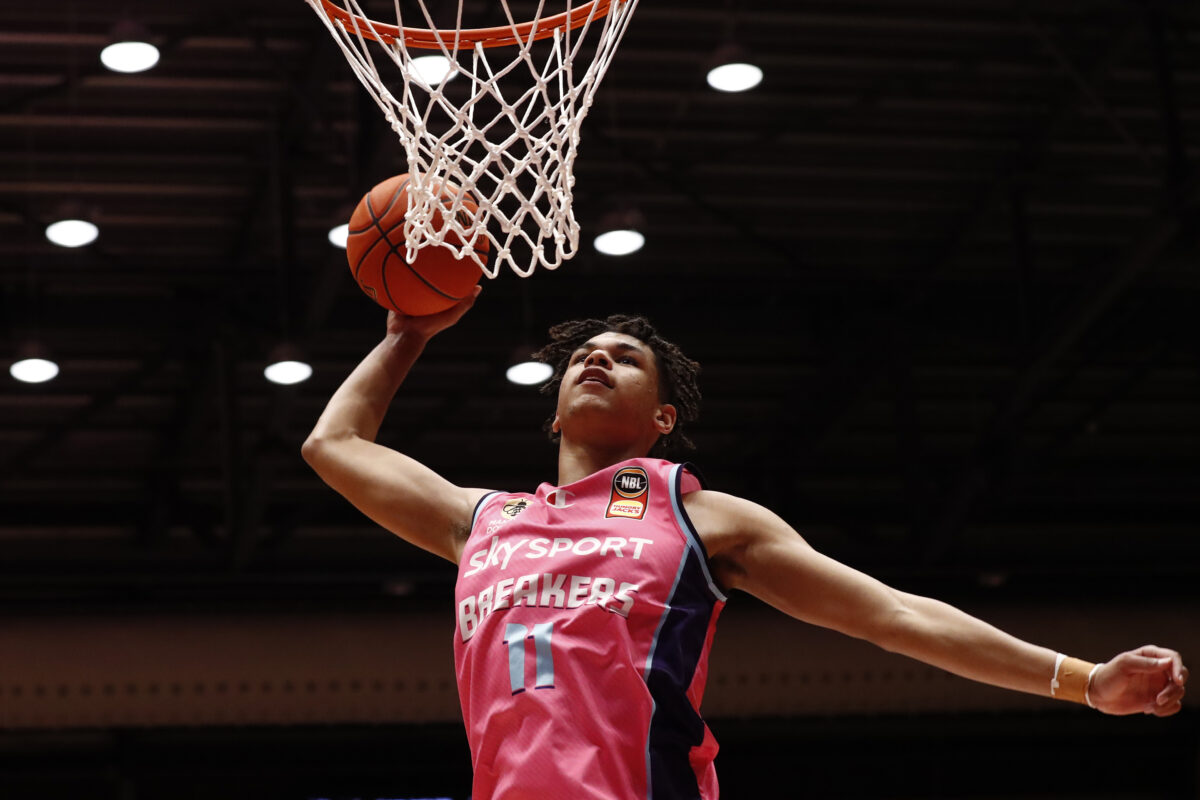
(548, 589)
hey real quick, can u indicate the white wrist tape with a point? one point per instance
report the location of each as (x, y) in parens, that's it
(1072, 679)
(1054, 684)
(1088, 691)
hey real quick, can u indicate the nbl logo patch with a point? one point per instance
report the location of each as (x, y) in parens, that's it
(630, 493)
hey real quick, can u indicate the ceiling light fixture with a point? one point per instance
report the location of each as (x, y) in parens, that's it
(33, 365)
(524, 370)
(287, 366)
(339, 235)
(732, 71)
(621, 233)
(130, 50)
(529, 372)
(72, 232)
(433, 70)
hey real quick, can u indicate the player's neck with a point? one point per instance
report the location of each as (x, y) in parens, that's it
(577, 460)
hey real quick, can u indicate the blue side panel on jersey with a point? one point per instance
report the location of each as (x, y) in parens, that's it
(479, 507)
(676, 727)
(685, 523)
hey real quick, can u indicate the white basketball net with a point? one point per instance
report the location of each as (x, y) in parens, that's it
(512, 147)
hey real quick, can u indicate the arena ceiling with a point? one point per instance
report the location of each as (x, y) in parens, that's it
(940, 268)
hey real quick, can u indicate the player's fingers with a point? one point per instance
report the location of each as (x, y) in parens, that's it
(1154, 651)
(1176, 672)
(444, 319)
(1151, 659)
(465, 304)
(1164, 711)
(1149, 650)
(1141, 662)
(469, 300)
(1171, 694)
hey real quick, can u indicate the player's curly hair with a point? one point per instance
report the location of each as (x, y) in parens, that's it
(677, 374)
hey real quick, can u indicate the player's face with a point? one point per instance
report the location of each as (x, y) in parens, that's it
(611, 383)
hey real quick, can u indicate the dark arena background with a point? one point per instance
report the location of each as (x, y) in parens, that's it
(940, 268)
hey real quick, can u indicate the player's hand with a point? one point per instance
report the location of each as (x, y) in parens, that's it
(429, 324)
(1149, 680)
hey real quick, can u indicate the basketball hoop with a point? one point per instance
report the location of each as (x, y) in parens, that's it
(508, 134)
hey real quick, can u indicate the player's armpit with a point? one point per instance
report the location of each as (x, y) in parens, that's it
(403, 495)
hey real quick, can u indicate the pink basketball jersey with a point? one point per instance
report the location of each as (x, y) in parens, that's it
(585, 614)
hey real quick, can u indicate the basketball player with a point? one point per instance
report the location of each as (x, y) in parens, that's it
(585, 610)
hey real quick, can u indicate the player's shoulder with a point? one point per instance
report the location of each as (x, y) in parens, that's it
(477, 497)
(723, 520)
(719, 504)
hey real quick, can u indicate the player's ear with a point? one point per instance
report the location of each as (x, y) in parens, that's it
(556, 426)
(664, 419)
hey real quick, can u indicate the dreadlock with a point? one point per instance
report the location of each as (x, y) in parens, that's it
(677, 374)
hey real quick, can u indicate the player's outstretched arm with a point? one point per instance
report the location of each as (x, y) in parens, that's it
(752, 549)
(402, 495)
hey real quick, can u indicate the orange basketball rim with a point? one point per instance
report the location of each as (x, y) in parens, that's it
(500, 36)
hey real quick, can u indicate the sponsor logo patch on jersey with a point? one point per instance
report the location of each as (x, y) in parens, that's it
(630, 493)
(561, 498)
(514, 507)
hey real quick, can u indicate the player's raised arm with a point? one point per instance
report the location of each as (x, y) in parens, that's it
(752, 549)
(399, 493)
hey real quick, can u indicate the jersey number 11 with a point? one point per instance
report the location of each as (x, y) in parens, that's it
(515, 636)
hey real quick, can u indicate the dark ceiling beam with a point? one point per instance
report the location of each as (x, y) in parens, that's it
(1088, 422)
(995, 446)
(844, 387)
(910, 441)
(1178, 169)
(1024, 263)
(212, 21)
(295, 122)
(1087, 89)
(991, 447)
(36, 223)
(42, 446)
(230, 441)
(246, 475)
(672, 174)
(191, 404)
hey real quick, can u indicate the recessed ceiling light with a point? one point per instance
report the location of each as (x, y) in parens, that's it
(288, 372)
(620, 242)
(338, 235)
(529, 373)
(129, 56)
(735, 77)
(72, 232)
(33, 370)
(433, 70)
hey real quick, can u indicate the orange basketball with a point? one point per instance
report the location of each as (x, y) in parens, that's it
(434, 280)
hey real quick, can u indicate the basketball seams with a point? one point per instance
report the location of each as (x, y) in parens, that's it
(375, 225)
(366, 254)
(392, 251)
(391, 203)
